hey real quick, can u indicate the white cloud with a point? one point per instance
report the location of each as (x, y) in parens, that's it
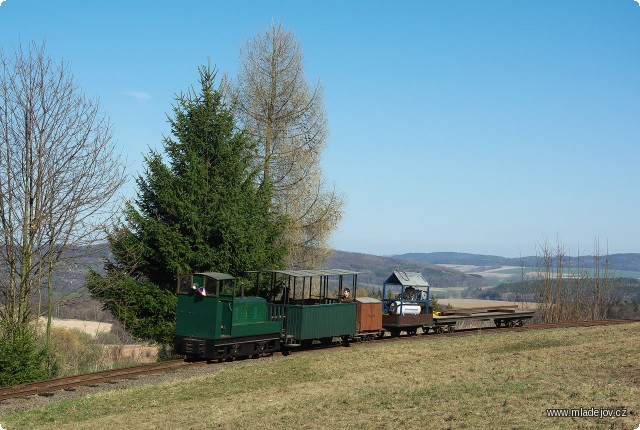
(637, 1)
(139, 95)
(1, 1)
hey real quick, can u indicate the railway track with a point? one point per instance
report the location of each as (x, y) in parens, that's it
(574, 324)
(490, 330)
(70, 383)
(526, 327)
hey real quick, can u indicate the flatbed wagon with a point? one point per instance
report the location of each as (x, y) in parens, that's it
(500, 318)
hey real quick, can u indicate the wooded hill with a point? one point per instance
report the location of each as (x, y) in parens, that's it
(621, 288)
(630, 262)
(375, 270)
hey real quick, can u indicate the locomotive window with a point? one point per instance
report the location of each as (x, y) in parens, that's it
(211, 286)
(184, 284)
(227, 286)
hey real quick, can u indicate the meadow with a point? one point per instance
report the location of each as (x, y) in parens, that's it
(481, 381)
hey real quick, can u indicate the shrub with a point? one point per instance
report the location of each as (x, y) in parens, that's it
(23, 358)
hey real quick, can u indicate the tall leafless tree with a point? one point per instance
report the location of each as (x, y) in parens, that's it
(602, 276)
(286, 117)
(59, 174)
(577, 294)
(545, 289)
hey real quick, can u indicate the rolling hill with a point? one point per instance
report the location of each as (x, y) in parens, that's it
(375, 270)
(627, 262)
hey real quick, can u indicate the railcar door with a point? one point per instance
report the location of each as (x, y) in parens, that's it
(226, 310)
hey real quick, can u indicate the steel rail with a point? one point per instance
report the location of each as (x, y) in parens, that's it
(468, 332)
(88, 379)
(526, 327)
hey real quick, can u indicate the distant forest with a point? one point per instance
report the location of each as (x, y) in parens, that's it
(629, 262)
(375, 270)
(622, 294)
(622, 288)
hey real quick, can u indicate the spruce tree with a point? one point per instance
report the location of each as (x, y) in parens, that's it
(203, 210)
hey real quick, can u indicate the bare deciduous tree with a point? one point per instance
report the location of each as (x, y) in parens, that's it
(59, 173)
(286, 117)
(573, 295)
(545, 296)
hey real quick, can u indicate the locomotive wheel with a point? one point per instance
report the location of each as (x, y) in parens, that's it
(498, 323)
(395, 333)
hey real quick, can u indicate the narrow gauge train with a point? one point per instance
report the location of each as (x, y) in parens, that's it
(286, 309)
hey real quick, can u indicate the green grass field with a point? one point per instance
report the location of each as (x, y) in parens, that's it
(496, 381)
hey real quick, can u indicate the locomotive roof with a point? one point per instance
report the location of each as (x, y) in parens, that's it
(309, 273)
(407, 279)
(216, 275)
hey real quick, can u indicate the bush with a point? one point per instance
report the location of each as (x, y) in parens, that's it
(23, 359)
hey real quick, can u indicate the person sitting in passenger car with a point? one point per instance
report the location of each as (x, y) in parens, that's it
(346, 296)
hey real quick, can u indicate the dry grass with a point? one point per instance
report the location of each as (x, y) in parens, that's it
(120, 355)
(92, 328)
(77, 352)
(502, 381)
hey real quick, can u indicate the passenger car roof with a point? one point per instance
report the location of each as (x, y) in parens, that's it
(309, 273)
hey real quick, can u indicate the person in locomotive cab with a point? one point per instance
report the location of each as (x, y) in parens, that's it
(346, 296)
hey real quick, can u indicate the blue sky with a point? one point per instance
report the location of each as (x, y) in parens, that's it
(469, 126)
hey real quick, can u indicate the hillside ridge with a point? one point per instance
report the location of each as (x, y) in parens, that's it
(374, 270)
(622, 261)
